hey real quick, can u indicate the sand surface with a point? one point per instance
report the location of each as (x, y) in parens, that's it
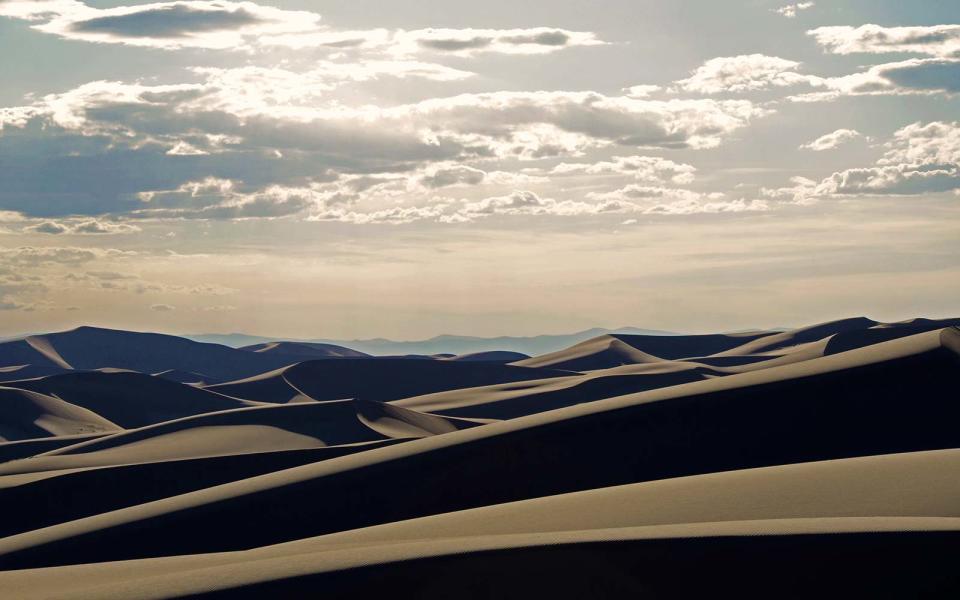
(823, 460)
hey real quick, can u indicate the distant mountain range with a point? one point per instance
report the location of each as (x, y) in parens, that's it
(441, 344)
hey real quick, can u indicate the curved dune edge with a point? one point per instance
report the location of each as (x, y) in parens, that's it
(45, 348)
(185, 575)
(244, 430)
(885, 351)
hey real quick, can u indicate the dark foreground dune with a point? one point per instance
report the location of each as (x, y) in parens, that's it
(821, 461)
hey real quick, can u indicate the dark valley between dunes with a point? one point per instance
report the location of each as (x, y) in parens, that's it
(779, 463)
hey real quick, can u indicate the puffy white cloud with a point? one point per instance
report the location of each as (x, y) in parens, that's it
(530, 203)
(932, 40)
(232, 25)
(82, 227)
(642, 91)
(446, 175)
(744, 73)
(466, 42)
(67, 255)
(396, 215)
(926, 76)
(632, 199)
(790, 10)
(268, 127)
(832, 140)
(694, 207)
(218, 199)
(646, 168)
(920, 159)
(210, 24)
(756, 72)
(503, 116)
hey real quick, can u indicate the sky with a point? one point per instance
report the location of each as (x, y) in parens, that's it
(403, 169)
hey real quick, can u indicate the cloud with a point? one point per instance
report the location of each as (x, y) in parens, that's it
(642, 91)
(744, 73)
(63, 255)
(932, 40)
(440, 41)
(757, 72)
(926, 76)
(920, 159)
(631, 199)
(231, 25)
(533, 124)
(790, 10)
(219, 199)
(397, 215)
(637, 192)
(215, 24)
(162, 307)
(647, 168)
(832, 140)
(451, 175)
(693, 207)
(467, 42)
(82, 227)
(529, 203)
(96, 149)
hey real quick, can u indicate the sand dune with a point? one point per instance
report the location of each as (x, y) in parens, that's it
(25, 414)
(721, 424)
(129, 399)
(862, 495)
(88, 348)
(379, 379)
(31, 447)
(510, 400)
(617, 467)
(188, 377)
(239, 431)
(300, 351)
(598, 353)
(491, 356)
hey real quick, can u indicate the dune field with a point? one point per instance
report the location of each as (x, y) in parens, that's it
(819, 460)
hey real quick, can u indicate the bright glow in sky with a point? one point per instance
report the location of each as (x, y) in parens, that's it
(410, 168)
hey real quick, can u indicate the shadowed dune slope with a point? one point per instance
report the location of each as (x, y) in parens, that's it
(300, 351)
(598, 353)
(25, 414)
(257, 429)
(188, 377)
(129, 399)
(41, 500)
(33, 446)
(841, 335)
(850, 340)
(793, 337)
(511, 400)
(502, 356)
(852, 496)
(887, 398)
(19, 372)
(748, 350)
(89, 348)
(379, 379)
